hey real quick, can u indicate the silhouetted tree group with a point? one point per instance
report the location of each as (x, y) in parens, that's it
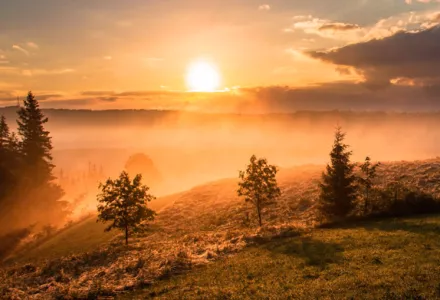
(346, 189)
(346, 193)
(28, 193)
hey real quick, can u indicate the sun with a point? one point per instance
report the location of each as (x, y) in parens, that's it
(202, 76)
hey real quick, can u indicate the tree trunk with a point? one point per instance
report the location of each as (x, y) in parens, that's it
(126, 235)
(366, 200)
(259, 216)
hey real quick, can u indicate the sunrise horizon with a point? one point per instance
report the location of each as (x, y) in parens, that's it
(280, 55)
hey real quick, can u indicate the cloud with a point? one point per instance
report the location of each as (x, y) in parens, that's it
(339, 96)
(97, 93)
(299, 56)
(32, 45)
(8, 69)
(22, 50)
(342, 95)
(145, 93)
(107, 99)
(40, 97)
(69, 103)
(153, 61)
(421, 1)
(354, 33)
(326, 28)
(130, 93)
(264, 7)
(412, 55)
(37, 72)
(338, 26)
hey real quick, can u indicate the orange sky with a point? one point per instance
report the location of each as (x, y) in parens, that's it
(65, 48)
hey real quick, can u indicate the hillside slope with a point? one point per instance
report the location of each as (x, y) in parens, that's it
(84, 236)
(203, 224)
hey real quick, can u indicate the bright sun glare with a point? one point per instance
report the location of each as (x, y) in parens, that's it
(202, 76)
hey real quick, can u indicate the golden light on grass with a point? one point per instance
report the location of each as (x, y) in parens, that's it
(202, 76)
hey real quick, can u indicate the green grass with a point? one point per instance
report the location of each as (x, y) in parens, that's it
(82, 237)
(388, 259)
(394, 259)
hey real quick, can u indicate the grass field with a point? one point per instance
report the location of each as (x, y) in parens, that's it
(202, 246)
(388, 259)
(84, 236)
(81, 237)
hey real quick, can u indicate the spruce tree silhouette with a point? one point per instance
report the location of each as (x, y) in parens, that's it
(36, 143)
(37, 197)
(338, 189)
(5, 173)
(4, 133)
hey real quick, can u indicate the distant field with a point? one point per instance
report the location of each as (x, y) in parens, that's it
(389, 259)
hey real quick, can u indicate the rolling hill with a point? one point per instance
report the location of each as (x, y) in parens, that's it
(208, 223)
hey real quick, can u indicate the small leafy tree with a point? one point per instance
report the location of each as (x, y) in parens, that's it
(258, 185)
(367, 180)
(338, 188)
(124, 203)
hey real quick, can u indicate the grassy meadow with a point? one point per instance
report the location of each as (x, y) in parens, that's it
(387, 259)
(204, 244)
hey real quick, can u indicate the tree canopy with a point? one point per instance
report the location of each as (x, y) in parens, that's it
(258, 185)
(123, 203)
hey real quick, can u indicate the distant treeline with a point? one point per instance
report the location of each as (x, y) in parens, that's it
(133, 117)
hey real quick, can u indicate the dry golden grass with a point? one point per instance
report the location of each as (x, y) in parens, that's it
(208, 223)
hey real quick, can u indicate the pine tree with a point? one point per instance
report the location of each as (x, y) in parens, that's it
(124, 202)
(4, 133)
(258, 185)
(37, 199)
(338, 189)
(9, 143)
(36, 143)
(9, 159)
(5, 174)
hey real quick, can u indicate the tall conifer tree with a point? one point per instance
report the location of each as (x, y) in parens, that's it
(36, 143)
(338, 188)
(4, 133)
(9, 159)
